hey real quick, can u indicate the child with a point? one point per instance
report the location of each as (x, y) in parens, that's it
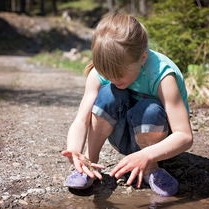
(136, 98)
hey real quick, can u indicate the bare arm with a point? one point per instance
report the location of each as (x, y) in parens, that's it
(181, 138)
(176, 143)
(78, 130)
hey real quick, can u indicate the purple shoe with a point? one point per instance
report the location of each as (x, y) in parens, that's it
(162, 182)
(78, 180)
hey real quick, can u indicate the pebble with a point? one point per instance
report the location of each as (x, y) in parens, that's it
(36, 191)
(15, 164)
(24, 194)
(23, 202)
(48, 189)
(121, 181)
(129, 190)
(5, 197)
(15, 178)
(16, 196)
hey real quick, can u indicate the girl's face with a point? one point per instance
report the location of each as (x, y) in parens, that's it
(130, 74)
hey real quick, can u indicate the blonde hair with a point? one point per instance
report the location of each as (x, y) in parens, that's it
(119, 40)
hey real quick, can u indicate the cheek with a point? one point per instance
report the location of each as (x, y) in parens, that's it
(133, 78)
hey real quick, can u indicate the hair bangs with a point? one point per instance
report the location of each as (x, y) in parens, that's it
(108, 59)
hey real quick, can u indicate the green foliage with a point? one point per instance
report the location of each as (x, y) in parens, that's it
(180, 30)
(197, 84)
(198, 72)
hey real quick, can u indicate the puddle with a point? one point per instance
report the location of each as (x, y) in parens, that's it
(140, 200)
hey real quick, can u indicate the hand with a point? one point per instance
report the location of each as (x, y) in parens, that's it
(83, 164)
(136, 162)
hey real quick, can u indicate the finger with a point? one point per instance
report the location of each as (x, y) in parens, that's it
(81, 156)
(117, 168)
(77, 164)
(133, 175)
(97, 174)
(94, 165)
(140, 178)
(121, 172)
(87, 171)
(66, 153)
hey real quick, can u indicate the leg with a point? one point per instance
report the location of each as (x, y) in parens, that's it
(150, 125)
(109, 119)
(110, 105)
(99, 130)
(147, 139)
(105, 114)
(149, 122)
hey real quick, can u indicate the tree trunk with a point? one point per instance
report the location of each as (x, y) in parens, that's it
(8, 5)
(42, 7)
(110, 5)
(13, 5)
(133, 7)
(142, 7)
(3, 5)
(54, 6)
(22, 6)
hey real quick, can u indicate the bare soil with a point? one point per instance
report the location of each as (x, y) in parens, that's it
(37, 106)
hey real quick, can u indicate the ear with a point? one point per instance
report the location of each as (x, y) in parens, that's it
(144, 58)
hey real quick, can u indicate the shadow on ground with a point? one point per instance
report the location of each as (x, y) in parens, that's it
(14, 41)
(192, 172)
(58, 97)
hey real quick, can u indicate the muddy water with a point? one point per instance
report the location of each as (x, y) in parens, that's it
(124, 201)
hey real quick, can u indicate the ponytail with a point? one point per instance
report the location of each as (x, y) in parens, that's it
(88, 68)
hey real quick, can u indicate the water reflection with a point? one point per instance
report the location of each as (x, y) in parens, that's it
(107, 195)
(141, 200)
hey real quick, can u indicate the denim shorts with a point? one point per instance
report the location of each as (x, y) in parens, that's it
(129, 116)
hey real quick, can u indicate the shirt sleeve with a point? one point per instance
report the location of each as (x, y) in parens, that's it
(102, 80)
(163, 72)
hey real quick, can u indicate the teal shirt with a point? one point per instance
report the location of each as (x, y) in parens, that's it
(157, 66)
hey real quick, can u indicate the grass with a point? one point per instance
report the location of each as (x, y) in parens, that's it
(82, 5)
(57, 60)
(197, 83)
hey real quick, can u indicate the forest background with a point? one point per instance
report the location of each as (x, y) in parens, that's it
(180, 29)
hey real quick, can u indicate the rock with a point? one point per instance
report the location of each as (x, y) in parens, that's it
(6, 196)
(22, 202)
(23, 195)
(15, 178)
(66, 16)
(72, 55)
(36, 191)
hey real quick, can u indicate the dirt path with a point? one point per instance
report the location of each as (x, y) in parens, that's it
(37, 106)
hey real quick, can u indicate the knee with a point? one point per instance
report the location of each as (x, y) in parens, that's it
(153, 110)
(112, 100)
(147, 139)
(148, 115)
(109, 94)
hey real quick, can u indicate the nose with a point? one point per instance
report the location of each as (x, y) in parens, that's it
(118, 85)
(117, 82)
